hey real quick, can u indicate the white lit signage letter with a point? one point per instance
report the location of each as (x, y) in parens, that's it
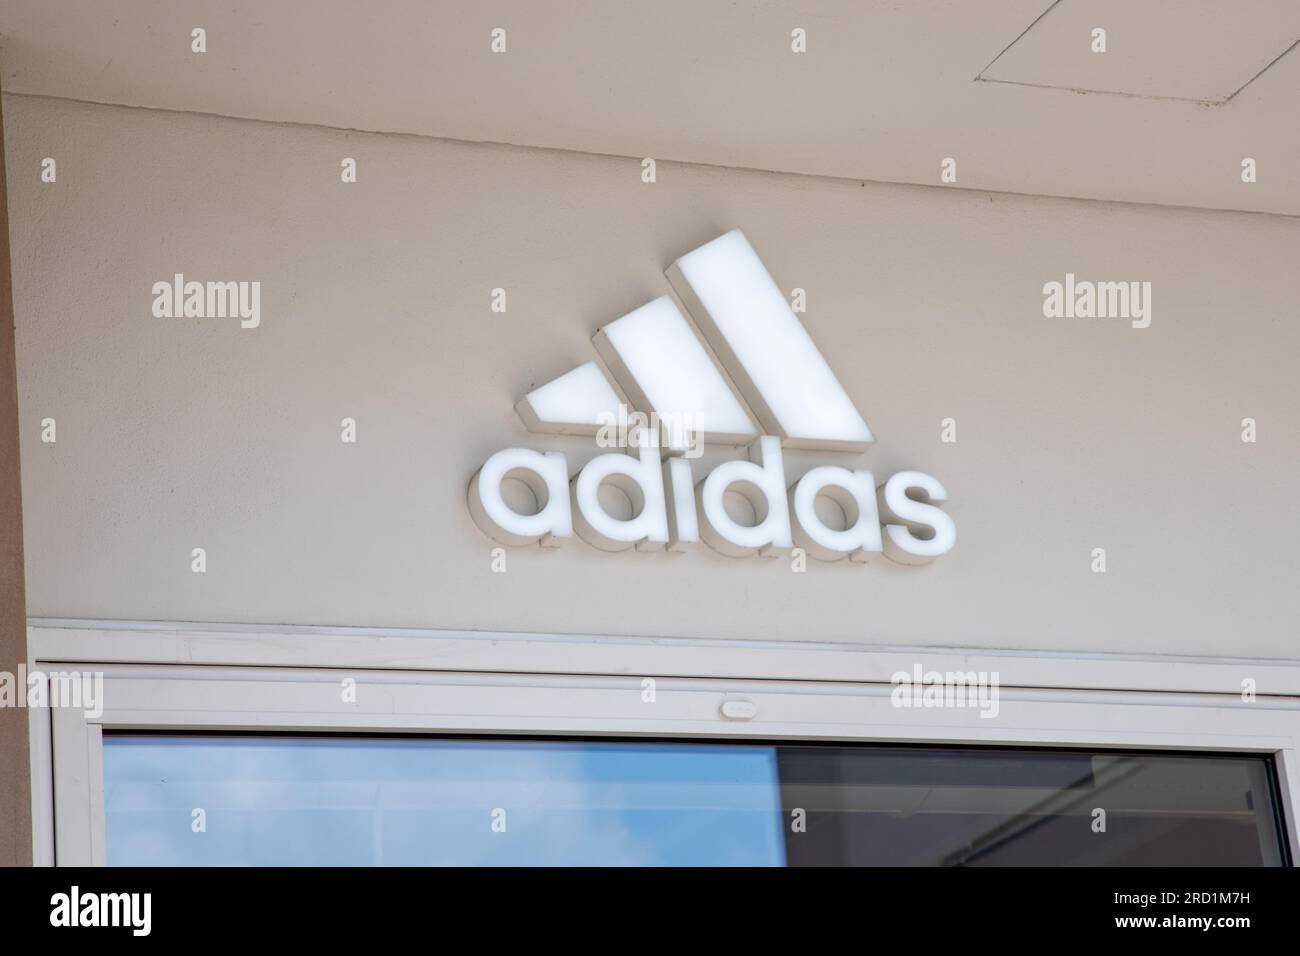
(904, 515)
(764, 487)
(642, 480)
(545, 475)
(683, 525)
(855, 493)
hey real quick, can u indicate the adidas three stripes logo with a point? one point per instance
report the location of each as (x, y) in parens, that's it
(751, 376)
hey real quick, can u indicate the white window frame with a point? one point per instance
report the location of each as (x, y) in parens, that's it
(163, 676)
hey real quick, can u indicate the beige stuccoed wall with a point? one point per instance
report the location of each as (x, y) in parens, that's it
(176, 434)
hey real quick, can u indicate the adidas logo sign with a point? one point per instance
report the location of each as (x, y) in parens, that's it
(752, 377)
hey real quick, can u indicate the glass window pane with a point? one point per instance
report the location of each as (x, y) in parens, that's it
(409, 801)
(968, 807)
(469, 801)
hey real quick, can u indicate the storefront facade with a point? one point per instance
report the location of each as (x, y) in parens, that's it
(259, 526)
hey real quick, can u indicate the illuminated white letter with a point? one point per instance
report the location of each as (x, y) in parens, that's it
(904, 515)
(855, 493)
(547, 476)
(642, 480)
(764, 487)
(683, 525)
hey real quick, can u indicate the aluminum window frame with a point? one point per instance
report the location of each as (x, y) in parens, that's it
(211, 678)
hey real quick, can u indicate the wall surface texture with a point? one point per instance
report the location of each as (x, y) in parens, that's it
(175, 434)
(15, 760)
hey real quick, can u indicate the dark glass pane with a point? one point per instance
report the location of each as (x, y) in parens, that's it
(959, 807)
